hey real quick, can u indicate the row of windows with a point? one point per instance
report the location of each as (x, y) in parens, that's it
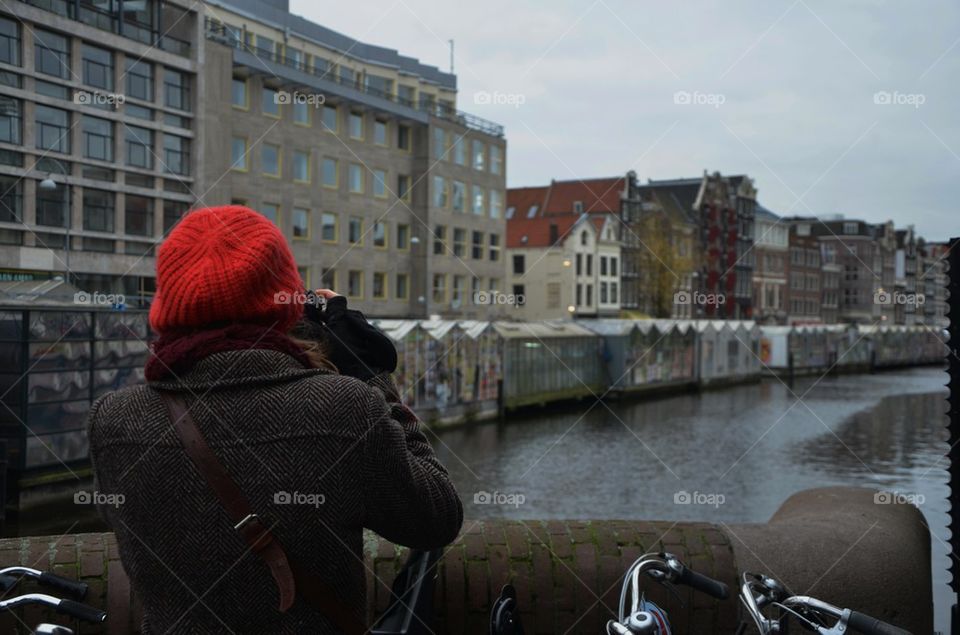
(52, 130)
(607, 264)
(804, 307)
(805, 282)
(52, 57)
(457, 288)
(451, 194)
(99, 211)
(459, 243)
(449, 146)
(354, 287)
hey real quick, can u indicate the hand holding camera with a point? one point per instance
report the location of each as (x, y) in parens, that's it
(356, 347)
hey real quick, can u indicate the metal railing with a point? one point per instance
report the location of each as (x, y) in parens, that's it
(218, 32)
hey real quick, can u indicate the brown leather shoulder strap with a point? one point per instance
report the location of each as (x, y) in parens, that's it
(258, 537)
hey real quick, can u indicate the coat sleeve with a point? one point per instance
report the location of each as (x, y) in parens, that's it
(408, 497)
(101, 481)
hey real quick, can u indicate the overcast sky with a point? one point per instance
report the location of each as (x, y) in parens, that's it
(785, 92)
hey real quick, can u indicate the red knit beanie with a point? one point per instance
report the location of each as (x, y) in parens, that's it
(225, 264)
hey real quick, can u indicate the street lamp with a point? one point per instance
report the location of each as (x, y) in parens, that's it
(49, 185)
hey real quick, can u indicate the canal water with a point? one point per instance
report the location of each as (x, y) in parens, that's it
(749, 447)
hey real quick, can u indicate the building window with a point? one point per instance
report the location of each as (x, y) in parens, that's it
(579, 266)
(51, 54)
(11, 120)
(301, 113)
(518, 291)
(139, 143)
(478, 154)
(403, 236)
(494, 247)
(476, 245)
(459, 196)
(589, 266)
(439, 143)
(459, 242)
(403, 187)
(589, 295)
(301, 166)
(138, 215)
(354, 284)
(613, 266)
(380, 184)
(496, 159)
(173, 211)
(496, 203)
(9, 42)
(97, 67)
(603, 293)
(301, 223)
(603, 266)
(439, 192)
(98, 210)
(330, 119)
(439, 236)
(238, 154)
(272, 212)
(518, 264)
(459, 285)
(356, 126)
(355, 231)
(53, 206)
(328, 228)
(613, 292)
(97, 138)
(176, 89)
(11, 200)
(380, 235)
(439, 288)
(176, 154)
(460, 151)
(139, 76)
(269, 102)
(270, 159)
(331, 173)
(404, 139)
(238, 93)
(380, 132)
(401, 289)
(553, 295)
(407, 95)
(328, 278)
(356, 178)
(53, 129)
(379, 285)
(477, 205)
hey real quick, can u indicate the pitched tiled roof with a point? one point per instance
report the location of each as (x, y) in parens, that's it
(537, 230)
(597, 195)
(523, 198)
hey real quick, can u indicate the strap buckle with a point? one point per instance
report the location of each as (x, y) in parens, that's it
(247, 519)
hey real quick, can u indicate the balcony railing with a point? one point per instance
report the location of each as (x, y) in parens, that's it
(218, 32)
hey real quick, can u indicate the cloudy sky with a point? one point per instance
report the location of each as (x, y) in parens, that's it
(833, 108)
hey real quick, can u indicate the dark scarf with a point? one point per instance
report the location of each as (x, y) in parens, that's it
(173, 354)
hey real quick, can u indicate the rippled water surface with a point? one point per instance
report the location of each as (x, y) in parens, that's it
(755, 445)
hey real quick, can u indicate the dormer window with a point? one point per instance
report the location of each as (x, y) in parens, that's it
(578, 207)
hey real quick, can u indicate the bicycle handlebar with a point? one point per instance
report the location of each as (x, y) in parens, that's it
(703, 583)
(867, 625)
(81, 611)
(10, 576)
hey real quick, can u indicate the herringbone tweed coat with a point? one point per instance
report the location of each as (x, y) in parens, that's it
(346, 454)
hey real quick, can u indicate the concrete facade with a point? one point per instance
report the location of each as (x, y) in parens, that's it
(123, 167)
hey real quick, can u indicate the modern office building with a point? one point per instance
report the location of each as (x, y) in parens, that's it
(387, 192)
(129, 114)
(98, 130)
